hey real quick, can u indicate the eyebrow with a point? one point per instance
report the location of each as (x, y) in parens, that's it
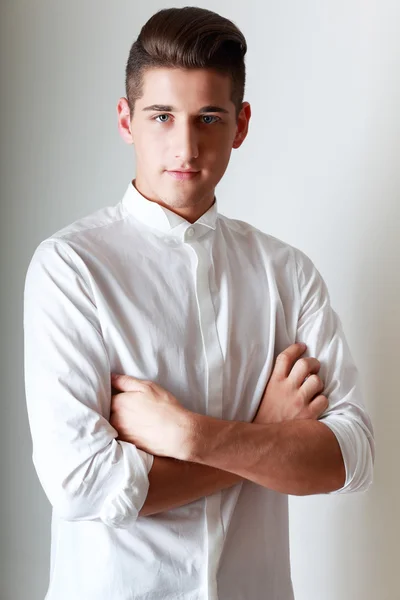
(167, 108)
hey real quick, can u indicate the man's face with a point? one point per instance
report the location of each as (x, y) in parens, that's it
(184, 120)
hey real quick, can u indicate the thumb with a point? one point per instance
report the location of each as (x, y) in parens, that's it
(125, 383)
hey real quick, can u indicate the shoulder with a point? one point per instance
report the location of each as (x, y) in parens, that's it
(288, 268)
(101, 222)
(276, 249)
(85, 235)
(62, 256)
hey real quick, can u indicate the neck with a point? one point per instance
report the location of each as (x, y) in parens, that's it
(189, 213)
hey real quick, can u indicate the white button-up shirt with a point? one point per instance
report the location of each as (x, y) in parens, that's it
(202, 309)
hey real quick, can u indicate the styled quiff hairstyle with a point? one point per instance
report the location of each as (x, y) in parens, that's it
(187, 38)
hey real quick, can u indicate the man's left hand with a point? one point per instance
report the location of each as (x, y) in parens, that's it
(148, 416)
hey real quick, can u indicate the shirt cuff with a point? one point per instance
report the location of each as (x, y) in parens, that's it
(130, 485)
(357, 447)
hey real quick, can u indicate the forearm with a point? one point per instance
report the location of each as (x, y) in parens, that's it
(175, 482)
(297, 457)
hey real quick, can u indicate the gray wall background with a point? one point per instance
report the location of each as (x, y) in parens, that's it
(320, 169)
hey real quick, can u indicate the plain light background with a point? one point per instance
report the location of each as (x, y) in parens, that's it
(319, 169)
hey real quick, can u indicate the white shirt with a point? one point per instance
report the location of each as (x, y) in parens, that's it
(202, 309)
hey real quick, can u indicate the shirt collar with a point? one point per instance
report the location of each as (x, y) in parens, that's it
(158, 217)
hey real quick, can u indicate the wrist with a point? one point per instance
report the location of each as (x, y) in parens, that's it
(206, 436)
(187, 425)
(192, 436)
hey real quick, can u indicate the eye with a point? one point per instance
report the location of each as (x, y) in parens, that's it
(210, 117)
(163, 120)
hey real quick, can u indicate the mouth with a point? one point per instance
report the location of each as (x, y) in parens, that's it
(183, 175)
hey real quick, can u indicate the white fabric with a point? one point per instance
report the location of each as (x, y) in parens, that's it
(202, 309)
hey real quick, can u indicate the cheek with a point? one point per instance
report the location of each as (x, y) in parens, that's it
(218, 154)
(150, 144)
(151, 155)
(158, 150)
(219, 145)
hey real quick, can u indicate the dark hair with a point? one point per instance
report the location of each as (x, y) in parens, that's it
(189, 38)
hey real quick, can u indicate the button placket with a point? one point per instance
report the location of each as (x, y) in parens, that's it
(214, 388)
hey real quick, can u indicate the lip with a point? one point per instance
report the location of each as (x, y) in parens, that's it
(183, 175)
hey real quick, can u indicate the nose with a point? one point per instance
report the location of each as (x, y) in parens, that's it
(186, 142)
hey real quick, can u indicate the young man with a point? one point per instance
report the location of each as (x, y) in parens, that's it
(171, 403)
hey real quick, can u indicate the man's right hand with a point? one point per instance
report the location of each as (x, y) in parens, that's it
(293, 390)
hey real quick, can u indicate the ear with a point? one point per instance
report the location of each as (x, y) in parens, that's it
(242, 125)
(124, 120)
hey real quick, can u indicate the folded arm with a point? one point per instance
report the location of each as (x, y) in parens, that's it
(174, 483)
(292, 393)
(332, 455)
(86, 472)
(295, 457)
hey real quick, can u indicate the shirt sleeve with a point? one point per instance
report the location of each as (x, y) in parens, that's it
(320, 328)
(86, 473)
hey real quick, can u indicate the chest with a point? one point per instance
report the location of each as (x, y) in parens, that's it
(205, 325)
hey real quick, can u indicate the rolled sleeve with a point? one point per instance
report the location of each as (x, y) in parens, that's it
(320, 328)
(125, 499)
(86, 473)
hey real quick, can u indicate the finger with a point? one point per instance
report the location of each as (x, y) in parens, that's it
(117, 402)
(312, 386)
(303, 368)
(126, 383)
(318, 406)
(285, 360)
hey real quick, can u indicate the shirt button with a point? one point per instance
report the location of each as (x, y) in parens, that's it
(190, 232)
